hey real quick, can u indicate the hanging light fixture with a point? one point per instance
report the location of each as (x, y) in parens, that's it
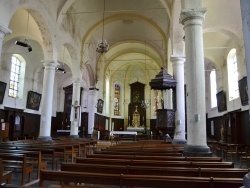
(25, 43)
(61, 70)
(144, 103)
(102, 45)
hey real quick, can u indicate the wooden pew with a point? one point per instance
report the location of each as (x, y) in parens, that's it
(201, 164)
(145, 157)
(5, 176)
(64, 151)
(173, 153)
(125, 180)
(48, 155)
(80, 145)
(149, 170)
(18, 161)
(33, 157)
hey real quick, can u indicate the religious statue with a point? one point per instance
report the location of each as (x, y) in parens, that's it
(136, 118)
(222, 133)
(75, 113)
(136, 96)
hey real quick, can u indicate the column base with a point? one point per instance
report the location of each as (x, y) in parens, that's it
(44, 138)
(197, 151)
(74, 136)
(179, 141)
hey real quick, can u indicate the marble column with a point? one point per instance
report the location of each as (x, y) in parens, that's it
(47, 99)
(178, 67)
(92, 103)
(3, 31)
(75, 109)
(192, 19)
(245, 13)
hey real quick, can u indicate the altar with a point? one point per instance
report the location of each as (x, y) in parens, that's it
(123, 134)
(64, 133)
(137, 121)
(136, 129)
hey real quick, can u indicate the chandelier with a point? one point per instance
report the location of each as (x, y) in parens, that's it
(102, 45)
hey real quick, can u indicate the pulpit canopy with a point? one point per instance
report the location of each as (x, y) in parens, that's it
(163, 81)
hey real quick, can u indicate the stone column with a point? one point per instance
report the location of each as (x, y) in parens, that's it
(192, 19)
(3, 31)
(75, 109)
(47, 99)
(92, 103)
(178, 67)
(245, 13)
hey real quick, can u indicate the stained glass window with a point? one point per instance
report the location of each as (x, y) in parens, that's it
(117, 100)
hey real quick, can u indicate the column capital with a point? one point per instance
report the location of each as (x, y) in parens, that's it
(192, 16)
(92, 91)
(175, 58)
(50, 64)
(77, 80)
(4, 30)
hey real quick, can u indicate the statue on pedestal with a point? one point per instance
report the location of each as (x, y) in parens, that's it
(136, 118)
(222, 133)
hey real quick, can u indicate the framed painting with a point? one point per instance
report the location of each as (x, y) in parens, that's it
(67, 102)
(2, 91)
(243, 89)
(221, 101)
(99, 106)
(33, 100)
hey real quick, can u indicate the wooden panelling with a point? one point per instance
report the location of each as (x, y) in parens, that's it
(118, 124)
(237, 131)
(29, 123)
(99, 122)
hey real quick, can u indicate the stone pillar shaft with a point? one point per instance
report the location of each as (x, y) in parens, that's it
(75, 109)
(178, 67)
(3, 31)
(192, 19)
(47, 99)
(92, 104)
(245, 13)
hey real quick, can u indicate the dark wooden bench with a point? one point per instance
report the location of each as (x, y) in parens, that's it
(63, 150)
(33, 157)
(158, 163)
(125, 180)
(48, 155)
(174, 153)
(145, 157)
(149, 170)
(5, 176)
(18, 161)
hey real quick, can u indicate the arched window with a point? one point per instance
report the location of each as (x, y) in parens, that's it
(117, 100)
(232, 72)
(16, 76)
(213, 88)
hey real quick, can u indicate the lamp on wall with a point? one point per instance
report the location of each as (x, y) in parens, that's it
(25, 43)
(102, 45)
(61, 70)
